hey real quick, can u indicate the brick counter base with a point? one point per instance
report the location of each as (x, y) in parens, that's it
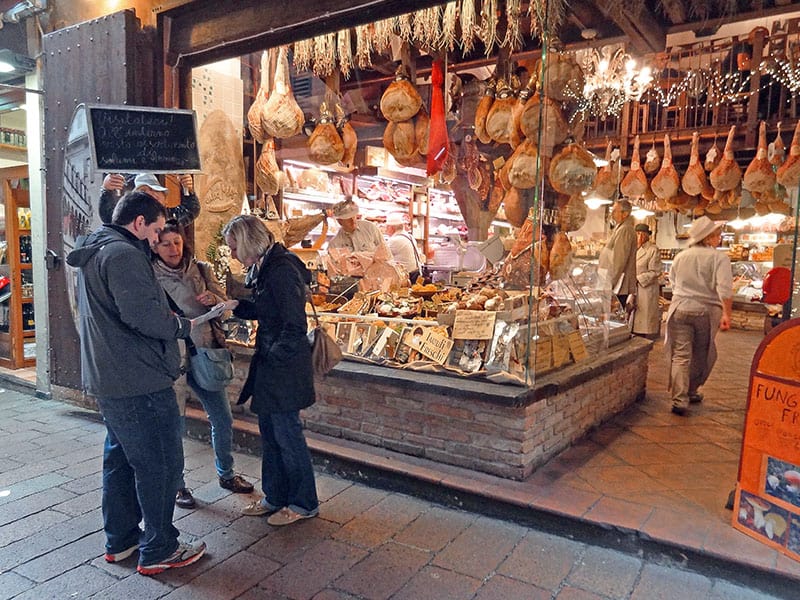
(497, 429)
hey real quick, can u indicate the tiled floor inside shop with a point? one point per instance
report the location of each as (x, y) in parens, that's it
(646, 472)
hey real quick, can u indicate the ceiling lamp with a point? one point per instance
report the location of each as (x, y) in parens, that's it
(611, 80)
(640, 213)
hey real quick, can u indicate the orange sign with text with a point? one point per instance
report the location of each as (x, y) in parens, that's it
(767, 503)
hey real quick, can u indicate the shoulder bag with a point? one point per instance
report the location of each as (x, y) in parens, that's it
(325, 352)
(211, 368)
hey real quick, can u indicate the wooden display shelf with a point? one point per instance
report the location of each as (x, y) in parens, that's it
(14, 197)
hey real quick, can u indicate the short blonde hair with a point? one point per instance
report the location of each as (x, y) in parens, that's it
(252, 237)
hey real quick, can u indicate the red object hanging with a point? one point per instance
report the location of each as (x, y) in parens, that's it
(437, 138)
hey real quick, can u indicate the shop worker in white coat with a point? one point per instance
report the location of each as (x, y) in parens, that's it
(647, 318)
(402, 245)
(354, 234)
(702, 300)
(618, 257)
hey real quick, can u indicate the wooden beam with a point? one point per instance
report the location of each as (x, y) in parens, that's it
(675, 11)
(205, 31)
(645, 32)
(713, 25)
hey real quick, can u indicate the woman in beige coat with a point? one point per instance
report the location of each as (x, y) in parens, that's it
(647, 318)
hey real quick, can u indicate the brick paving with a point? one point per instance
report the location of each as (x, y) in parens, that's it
(366, 543)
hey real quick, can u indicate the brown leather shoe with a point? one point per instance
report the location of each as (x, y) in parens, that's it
(237, 484)
(184, 498)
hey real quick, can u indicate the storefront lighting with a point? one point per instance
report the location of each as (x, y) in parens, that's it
(737, 223)
(595, 202)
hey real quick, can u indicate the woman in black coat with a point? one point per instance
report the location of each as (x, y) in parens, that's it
(280, 380)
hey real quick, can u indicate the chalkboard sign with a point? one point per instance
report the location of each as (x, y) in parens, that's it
(141, 139)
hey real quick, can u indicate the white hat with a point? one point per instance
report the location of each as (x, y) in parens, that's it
(701, 228)
(347, 209)
(150, 181)
(395, 219)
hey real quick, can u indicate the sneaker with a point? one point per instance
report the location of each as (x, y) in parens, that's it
(680, 410)
(258, 508)
(237, 484)
(184, 498)
(695, 398)
(185, 555)
(286, 516)
(113, 557)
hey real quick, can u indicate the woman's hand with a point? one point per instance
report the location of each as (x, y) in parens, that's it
(206, 298)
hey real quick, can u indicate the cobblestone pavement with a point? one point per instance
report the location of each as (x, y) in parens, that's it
(366, 543)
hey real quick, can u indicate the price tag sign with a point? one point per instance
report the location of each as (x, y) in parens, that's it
(576, 346)
(474, 324)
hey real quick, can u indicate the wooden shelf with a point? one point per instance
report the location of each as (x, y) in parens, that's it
(14, 198)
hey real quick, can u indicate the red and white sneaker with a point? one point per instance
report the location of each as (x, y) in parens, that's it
(185, 555)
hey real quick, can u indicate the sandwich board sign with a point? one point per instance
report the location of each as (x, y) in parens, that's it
(767, 495)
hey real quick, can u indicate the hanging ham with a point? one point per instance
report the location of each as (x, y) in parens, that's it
(572, 170)
(694, 181)
(713, 156)
(788, 174)
(544, 112)
(325, 145)
(257, 107)
(776, 152)
(572, 216)
(401, 100)
(523, 169)
(282, 117)
(268, 175)
(605, 184)
(400, 140)
(727, 174)
(349, 138)
(422, 129)
(666, 182)
(634, 184)
(484, 106)
(652, 162)
(759, 177)
(437, 144)
(499, 119)
(560, 256)
(562, 73)
(524, 95)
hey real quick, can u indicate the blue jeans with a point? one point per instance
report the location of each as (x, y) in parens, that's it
(142, 462)
(287, 477)
(219, 414)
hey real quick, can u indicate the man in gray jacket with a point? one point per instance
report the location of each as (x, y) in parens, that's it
(618, 256)
(129, 361)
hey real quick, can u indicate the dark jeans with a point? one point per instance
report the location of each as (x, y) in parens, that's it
(287, 476)
(142, 463)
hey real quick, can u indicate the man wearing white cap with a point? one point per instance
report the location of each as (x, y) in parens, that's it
(184, 213)
(402, 245)
(702, 301)
(354, 234)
